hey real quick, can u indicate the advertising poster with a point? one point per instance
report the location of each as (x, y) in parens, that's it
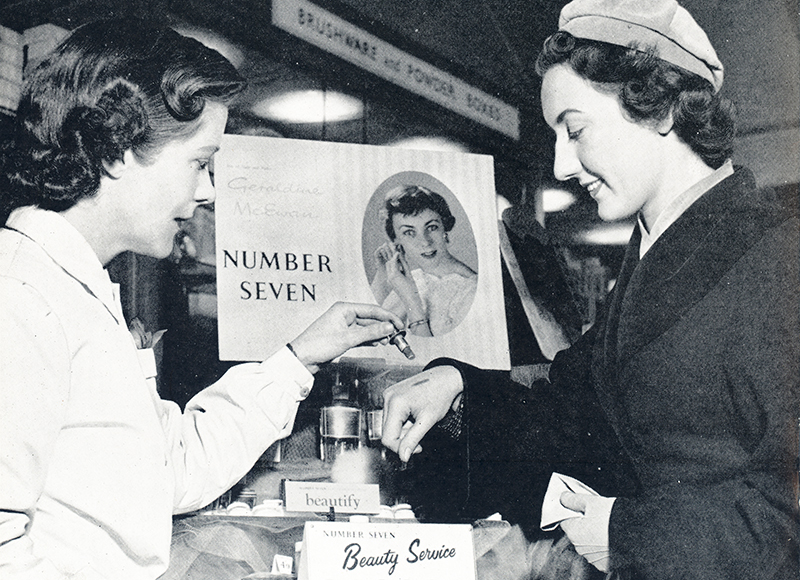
(303, 224)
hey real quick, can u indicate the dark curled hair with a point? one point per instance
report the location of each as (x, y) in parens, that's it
(650, 89)
(111, 86)
(413, 199)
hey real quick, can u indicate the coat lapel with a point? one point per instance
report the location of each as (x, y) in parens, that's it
(607, 346)
(651, 295)
(686, 262)
(604, 358)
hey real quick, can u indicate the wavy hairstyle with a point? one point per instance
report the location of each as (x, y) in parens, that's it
(113, 85)
(650, 89)
(411, 200)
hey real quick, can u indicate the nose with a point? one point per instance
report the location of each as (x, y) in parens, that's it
(205, 193)
(427, 237)
(566, 164)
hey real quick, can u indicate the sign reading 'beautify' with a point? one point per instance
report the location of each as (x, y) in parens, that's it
(318, 496)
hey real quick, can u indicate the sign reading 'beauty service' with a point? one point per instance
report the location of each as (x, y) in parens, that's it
(347, 551)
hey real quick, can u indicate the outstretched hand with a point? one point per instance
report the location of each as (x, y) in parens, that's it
(411, 407)
(343, 326)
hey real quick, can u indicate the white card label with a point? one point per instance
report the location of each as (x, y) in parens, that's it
(317, 496)
(347, 551)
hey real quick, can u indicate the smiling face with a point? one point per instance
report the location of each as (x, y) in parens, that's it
(422, 237)
(156, 197)
(619, 162)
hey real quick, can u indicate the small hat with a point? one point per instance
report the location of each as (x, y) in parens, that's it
(662, 24)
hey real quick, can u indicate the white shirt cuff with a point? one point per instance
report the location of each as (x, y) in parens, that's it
(293, 369)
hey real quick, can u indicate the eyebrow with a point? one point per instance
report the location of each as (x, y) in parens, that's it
(210, 149)
(564, 113)
(427, 223)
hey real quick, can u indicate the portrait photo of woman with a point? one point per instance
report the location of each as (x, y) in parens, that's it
(416, 275)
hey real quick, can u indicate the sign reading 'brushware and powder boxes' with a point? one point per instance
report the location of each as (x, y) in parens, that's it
(347, 551)
(341, 38)
(301, 225)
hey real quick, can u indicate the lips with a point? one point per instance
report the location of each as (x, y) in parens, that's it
(181, 222)
(593, 186)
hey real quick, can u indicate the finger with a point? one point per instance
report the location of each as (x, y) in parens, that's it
(573, 501)
(394, 417)
(390, 442)
(410, 441)
(404, 431)
(384, 339)
(392, 434)
(367, 312)
(406, 426)
(570, 526)
(364, 322)
(590, 551)
(374, 333)
(402, 259)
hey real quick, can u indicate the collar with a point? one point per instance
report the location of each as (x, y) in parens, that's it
(70, 250)
(679, 205)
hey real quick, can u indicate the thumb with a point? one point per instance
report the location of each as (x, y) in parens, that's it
(573, 501)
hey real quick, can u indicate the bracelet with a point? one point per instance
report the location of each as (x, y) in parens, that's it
(417, 323)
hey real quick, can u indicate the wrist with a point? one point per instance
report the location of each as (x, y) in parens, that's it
(312, 368)
(450, 380)
(457, 402)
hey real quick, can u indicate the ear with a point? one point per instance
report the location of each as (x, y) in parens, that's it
(115, 169)
(664, 127)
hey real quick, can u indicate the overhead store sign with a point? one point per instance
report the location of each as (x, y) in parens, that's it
(337, 36)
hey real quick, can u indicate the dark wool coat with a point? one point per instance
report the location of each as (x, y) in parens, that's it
(683, 404)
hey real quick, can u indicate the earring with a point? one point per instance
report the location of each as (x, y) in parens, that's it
(446, 238)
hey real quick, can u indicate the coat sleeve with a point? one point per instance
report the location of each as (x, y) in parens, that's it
(35, 365)
(227, 426)
(513, 438)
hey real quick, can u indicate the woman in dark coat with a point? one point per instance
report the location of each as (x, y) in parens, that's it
(680, 407)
